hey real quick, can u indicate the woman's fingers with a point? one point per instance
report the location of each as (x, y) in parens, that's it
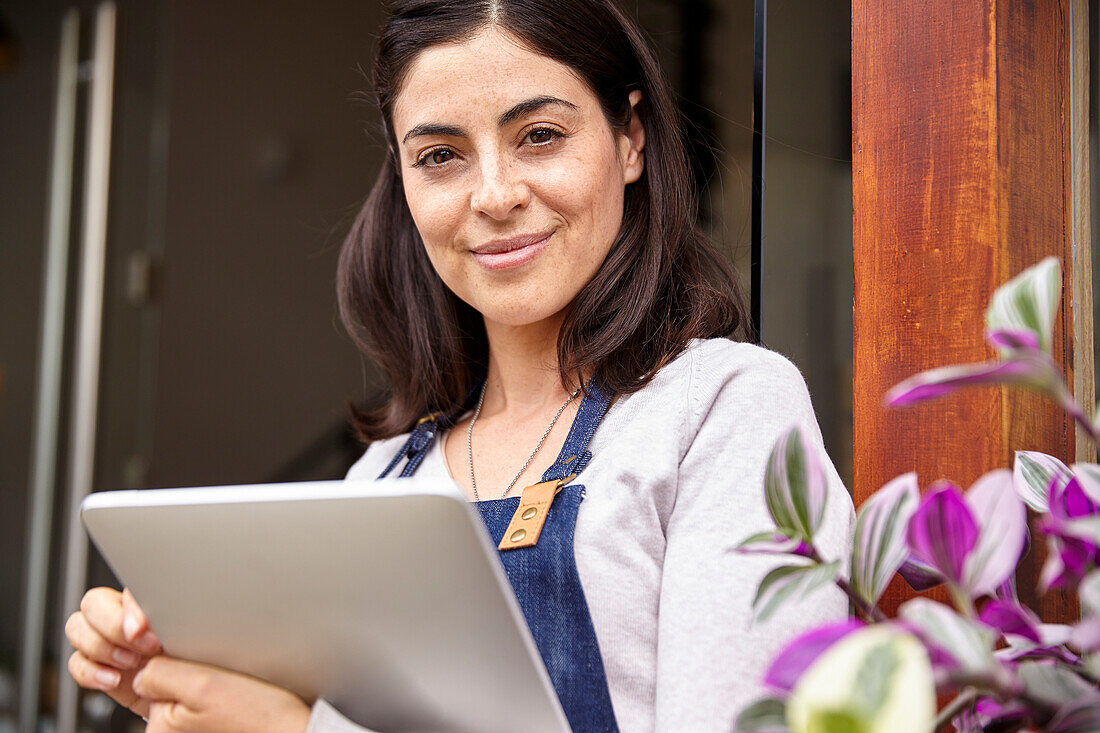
(93, 675)
(108, 612)
(135, 627)
(95, 647)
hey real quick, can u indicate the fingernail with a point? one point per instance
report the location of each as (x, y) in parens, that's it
(147, 642)
(107, 678)
(136, 682)
(130, 626)
(125, 657)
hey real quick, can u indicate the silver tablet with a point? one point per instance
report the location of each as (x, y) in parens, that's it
(386, 598)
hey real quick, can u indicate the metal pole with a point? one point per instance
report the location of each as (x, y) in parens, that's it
(51, 350)
(759, 68)
(89, 333)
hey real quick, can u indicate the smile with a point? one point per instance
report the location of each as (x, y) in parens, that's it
(504, 253)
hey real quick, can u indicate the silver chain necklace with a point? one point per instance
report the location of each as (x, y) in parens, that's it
(470, 444)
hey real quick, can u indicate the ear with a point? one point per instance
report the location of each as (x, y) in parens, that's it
(632, 141)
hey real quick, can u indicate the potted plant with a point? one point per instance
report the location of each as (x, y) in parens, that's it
(998, 664)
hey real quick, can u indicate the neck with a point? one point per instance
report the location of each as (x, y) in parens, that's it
(523, 367)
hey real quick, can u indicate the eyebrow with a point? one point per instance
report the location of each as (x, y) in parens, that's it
(525, 107)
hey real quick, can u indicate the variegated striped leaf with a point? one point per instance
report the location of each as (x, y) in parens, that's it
(1003, 521)
(790, 582)
(795, 485)
(968, 644)
(770, 543)
(1028, 302)
(879, 547)
(1089, 593)
(763, 716)
(1032, 473)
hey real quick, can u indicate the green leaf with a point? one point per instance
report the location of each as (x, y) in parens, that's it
(970, 645)
(879, 547)
(875, 678)
(763, 716)
(1032, 474)
(773, 542)
(795, 485)
(1078, 716)
(1089, 593)
(790, 582)
(1029, 302)
(1053, 684)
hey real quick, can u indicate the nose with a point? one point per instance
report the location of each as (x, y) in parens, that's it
(499, 189)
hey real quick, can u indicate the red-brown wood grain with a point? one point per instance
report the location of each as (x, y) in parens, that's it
(960, 180)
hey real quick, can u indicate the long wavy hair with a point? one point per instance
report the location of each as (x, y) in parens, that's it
(663, 282)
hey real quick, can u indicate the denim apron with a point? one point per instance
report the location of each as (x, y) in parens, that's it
(544, 576)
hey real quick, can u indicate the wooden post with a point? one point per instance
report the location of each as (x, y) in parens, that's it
(963, 175)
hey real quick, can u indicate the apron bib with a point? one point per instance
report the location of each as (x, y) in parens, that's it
(544, 576)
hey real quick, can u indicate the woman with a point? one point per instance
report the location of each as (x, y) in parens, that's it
(527, 275)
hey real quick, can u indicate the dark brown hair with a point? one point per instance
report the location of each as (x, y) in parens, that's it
(662, 284)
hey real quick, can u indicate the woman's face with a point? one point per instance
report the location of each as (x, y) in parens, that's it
(512, 173)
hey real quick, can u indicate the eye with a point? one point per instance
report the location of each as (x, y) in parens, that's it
(543, 136)
(434, 157)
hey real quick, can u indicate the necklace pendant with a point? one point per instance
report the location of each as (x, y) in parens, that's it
(530, 516)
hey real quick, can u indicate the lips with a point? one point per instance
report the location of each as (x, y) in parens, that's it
(512, 252)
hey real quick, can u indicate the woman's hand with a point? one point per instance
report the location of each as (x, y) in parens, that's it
(185, 696)
(113, 642)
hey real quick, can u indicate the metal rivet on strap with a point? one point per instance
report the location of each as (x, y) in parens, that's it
(529, 512)
(518, 535)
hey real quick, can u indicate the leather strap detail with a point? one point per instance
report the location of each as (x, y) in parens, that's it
(530, 516)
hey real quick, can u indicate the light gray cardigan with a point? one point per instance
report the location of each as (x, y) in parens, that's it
(675, 482)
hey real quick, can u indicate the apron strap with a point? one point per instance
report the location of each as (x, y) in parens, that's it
(574, 454)
(572, 459)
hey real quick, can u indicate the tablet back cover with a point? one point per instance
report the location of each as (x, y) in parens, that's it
(385, 598)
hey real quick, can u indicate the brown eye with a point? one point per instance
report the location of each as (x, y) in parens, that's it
(541, 136)
(439, 157)
(434, 158)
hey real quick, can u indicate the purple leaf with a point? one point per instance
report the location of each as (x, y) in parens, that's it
(1011, 618)
(919, 575)
(1013, 338)
(1032, 369)
(1068, 559)
(800, 653)
(1088, 474)
(1003, 519)
(1073, 535)
(1071, 501)
(942, 531)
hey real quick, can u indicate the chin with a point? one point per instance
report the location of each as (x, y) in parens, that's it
(518, 317)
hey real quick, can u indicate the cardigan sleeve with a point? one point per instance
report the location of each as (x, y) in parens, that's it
(326, 719)
(710, 656)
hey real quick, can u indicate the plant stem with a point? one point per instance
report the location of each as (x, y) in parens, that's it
(868, 611)
(965, 699)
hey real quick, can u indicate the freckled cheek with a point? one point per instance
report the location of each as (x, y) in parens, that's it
(436, 214)
(583, 191)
